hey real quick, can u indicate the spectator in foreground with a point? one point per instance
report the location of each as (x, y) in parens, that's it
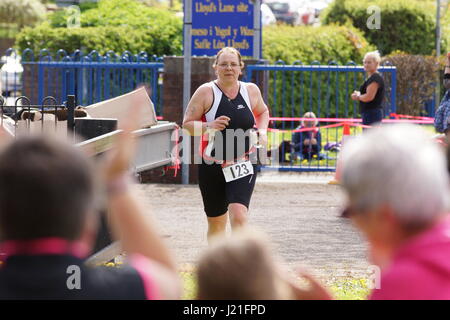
(442, 115)
(397, 197)
(243, 267)
(48, 224)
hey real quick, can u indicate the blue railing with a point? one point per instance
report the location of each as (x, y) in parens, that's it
(91, 78)
(292, 90)
(318, 88)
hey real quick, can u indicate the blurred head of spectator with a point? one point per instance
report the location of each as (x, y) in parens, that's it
(397, 187)
(240, 268)
(46, 190)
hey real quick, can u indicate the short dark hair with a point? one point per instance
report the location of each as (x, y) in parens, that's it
(46, 189)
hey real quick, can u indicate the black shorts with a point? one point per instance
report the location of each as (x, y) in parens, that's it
(218, 194)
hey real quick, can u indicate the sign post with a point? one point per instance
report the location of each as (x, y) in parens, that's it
(225, 23)
(187, 51)
(257, 43)
(210, 25)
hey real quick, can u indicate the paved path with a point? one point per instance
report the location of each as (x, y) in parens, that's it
(299, 212)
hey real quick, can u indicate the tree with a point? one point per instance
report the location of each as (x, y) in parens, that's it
(21, 12)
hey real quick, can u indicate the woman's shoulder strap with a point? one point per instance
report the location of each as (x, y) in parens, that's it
(244, 92)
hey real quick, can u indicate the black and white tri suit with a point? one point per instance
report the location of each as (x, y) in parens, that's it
(231, 144)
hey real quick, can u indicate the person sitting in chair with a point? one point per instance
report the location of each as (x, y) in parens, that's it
(307, 144)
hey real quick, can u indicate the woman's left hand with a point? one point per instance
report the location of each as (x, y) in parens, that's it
(262, 139)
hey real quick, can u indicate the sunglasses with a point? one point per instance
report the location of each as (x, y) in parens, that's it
(348, 212)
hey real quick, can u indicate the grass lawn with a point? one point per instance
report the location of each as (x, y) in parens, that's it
(342, 288)
(328, 135)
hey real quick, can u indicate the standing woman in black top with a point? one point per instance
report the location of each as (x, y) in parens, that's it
(371, 92)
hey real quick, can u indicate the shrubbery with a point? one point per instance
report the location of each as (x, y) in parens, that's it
(416, 81)
(307, 44)
(117, 25)
(325, 92)
(101, 39)
(406, 25)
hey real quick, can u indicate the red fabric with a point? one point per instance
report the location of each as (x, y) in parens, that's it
(44, 246)
(143, 267)
(420, 269)
(423, 120)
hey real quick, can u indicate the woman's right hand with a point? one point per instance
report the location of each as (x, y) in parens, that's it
(355, 95)
(220, 123)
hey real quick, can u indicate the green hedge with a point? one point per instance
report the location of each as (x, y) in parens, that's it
(119, 13)
(325, 92)
(326, 43)
(406, 25)
(415, 86)
(101, 39)
(117, 25)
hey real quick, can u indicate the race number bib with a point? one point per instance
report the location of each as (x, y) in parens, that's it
(237, 171)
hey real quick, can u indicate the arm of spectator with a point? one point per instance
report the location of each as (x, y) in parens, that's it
(370, 93)
(137, 232)
(315, 291)
(319, 141)
(313, 137)
(305, 138)
(447, 80)
(447, 73)
(5, 135)
(297, 141)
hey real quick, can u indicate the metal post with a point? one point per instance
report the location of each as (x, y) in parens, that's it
(70, 114)
(438, 28)
(257, 29)
(438, 51)
(394, 90)
(186, 77)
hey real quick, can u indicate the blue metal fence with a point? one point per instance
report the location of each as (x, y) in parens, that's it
(91, 78)
(289, 90)
(292, 90)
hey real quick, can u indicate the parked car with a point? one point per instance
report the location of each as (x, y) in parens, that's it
(10, 75)
(307, 12)
(292, 12)
(267, 16)
(319, 5)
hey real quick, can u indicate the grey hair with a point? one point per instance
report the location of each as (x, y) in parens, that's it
(236, 268)
(375, 55)
(311, 115)
(399, 166)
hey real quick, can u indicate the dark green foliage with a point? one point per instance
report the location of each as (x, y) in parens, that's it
(292, 93)
(415, 85)
(406, 25)
(307, 44)
(117, 25)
